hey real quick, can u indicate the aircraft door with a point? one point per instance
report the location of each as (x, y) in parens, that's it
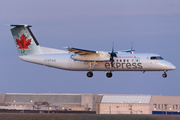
(150, 62)
(69, 63)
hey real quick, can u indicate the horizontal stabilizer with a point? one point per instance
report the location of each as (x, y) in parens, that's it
(20, 25)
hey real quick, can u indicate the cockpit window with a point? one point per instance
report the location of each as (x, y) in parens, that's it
(157, 58)
(160, 58)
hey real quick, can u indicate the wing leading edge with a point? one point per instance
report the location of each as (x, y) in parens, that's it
(81, 51)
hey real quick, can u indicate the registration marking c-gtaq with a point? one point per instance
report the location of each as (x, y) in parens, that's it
(49, 60)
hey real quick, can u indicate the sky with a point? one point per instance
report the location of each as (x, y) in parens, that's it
(152, 26)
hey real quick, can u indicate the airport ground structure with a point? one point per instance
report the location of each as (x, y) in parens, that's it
(100, 103)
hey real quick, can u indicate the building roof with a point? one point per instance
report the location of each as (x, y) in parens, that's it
(50, 98)
(126, 99)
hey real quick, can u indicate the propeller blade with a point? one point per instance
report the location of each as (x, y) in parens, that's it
(112, 62)
(113, 47)
(112, 55)
(131, 48)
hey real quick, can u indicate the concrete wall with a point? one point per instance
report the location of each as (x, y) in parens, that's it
(158, 103)
(2, 97)
(97, 103)
(124, 108)
(87, 101)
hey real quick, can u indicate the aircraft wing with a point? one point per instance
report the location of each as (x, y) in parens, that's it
(88, 55)
(81, 51)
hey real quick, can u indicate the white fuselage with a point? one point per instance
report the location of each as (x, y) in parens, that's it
(123, 62)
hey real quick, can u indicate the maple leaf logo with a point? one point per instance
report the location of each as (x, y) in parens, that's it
(23, 43)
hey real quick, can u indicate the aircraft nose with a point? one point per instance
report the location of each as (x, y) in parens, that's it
(169, 65)
(173, 67)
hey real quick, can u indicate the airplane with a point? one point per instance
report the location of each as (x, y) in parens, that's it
(76, 59)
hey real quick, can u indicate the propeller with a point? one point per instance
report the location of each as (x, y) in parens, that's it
(112, 55)
(131, 48)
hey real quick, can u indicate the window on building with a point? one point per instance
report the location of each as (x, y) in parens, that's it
(155, 105)
(158, 106)
(162, 106)
(176, 106)
(173, 106)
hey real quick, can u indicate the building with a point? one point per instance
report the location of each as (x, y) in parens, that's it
(101, 103)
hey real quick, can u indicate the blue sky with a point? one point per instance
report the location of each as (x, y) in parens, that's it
(152, 26)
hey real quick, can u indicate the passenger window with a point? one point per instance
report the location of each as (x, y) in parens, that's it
(127, 60)
(124, 60)
(120, 60)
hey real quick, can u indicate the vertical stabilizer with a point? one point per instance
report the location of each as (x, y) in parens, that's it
(25, 41)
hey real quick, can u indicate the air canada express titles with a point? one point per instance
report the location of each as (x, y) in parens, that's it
(118, 65)
(124, 65)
